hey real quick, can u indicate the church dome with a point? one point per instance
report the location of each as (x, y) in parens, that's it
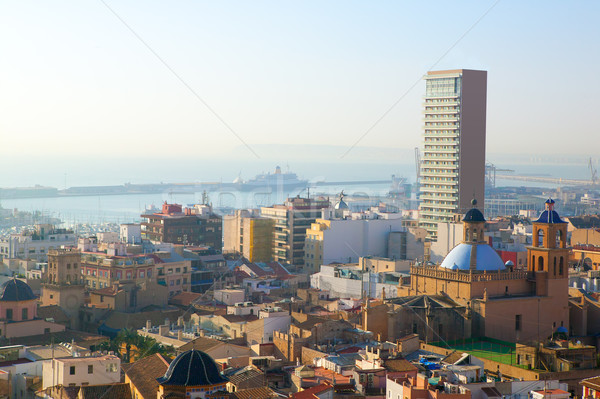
(473, 215)
(460, 258)
(16, 290)
(192, 368)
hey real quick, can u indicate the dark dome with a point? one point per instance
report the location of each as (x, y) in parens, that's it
(192, 368)
(15, 290)
(550, 216)
(474, 215)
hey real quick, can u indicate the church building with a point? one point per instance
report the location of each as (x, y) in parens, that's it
(501, 302)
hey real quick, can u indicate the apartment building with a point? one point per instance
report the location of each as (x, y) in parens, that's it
(453, 160)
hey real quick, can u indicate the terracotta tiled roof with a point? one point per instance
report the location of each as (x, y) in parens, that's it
(399, 365)
(54, 312)
(201, 343)
(313, 392)
(593, 383)
(247, 375)
(113, 391)
(184, 298)
(453, 357)
(278, 269)
(144, 372)
(254, 393)
(257, 270)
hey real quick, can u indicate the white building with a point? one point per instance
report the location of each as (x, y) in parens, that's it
(449, 235)
(243, 309)
(345, 240)
(130, 233)
(348, 281)
(229, 296)
(35, 244)
(78, 371)
(270, 319)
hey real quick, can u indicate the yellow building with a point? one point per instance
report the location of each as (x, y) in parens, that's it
(249, 235)
(257, 240)
(313, 247)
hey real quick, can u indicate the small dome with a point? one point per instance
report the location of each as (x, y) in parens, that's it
(550, 216)
(192, 368)
(16, 290)
(474, 215)
(509, 263)
(460, 258)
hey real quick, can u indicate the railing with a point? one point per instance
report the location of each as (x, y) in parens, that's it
(468, 276)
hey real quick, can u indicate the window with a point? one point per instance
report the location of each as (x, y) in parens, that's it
(72, 370)
(9, 314)
(90, 369)
(111, 368)
(518, 322)
(24, 314)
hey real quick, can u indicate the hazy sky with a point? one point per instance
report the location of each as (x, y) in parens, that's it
(76, 83)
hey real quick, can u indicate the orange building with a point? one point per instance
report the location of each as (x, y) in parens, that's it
(501, 302)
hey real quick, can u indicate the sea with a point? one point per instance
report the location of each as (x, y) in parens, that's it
(129, 208)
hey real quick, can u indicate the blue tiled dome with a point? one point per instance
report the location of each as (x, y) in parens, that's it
(460, 258)
(550, 216)
(192, 368)
(16, 290)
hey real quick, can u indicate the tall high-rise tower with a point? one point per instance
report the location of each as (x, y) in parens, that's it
(453, 159)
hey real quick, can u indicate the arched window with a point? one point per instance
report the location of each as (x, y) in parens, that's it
(540, 238)
(475, 235)
(533, 262)
(559, 239)
(560, 266)
(540, 263)
(555, 265)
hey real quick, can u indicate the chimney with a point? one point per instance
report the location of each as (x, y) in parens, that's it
(180, 335)
(148, 325)
(180, 321)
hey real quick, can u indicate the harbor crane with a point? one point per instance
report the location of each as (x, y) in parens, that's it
(490, 174)
(594, 173)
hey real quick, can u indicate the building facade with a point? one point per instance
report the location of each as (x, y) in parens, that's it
(189, 226)
(453, 160)
(36, 244)
(248, 234)
(502, 301)
(290, 223)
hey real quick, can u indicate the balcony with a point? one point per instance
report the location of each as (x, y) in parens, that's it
(427, 173)
(438, 190)
(446, 215)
